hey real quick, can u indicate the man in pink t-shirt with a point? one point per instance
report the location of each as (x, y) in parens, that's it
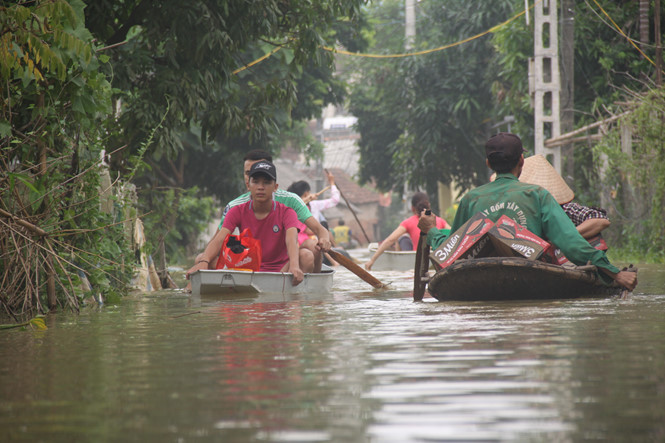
(273, 223)
(271, 231)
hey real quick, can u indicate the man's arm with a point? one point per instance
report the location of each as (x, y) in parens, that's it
(560, 230)
(592, 227)
(320, 205)
(626, 279)
(427, 225)
(589, 220)
(385, 244)
(211, 251)
(293, 252)
(321, 232)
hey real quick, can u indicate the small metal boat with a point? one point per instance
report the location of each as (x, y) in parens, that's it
(226, 281)
(393, 260)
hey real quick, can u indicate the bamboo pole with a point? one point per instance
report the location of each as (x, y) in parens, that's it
(29, 226)
(353, 212)
(565, 138)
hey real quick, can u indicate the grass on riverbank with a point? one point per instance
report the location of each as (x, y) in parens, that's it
(632, 255)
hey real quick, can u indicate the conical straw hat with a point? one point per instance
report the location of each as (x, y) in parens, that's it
(538, 171)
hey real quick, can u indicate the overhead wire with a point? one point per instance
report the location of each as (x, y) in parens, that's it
(410, 54)
(618, 28)
(448, 46)
(258, 60)
(440, 48)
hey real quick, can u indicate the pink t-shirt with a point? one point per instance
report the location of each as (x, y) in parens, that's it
(411, 225)
(271, 231)
(302, 234)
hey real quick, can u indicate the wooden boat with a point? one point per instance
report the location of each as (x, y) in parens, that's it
(393, 260)
(516, 278)
(225, 281)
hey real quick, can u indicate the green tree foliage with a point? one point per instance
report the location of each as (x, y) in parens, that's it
(635, 180)
(608, 68)
(606, 64)
(188, 57)
(50, 140)
(182, 68)
(425, 119)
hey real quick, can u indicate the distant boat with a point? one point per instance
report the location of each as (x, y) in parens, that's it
(516, 278)
(226, 281)
(393, 260)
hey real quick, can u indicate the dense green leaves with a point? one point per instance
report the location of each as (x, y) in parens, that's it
(636, 180)
(605, 61)
(186, 53)
(187, 69)
(50, 141)
(424, 119)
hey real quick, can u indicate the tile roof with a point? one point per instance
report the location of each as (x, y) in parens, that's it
(289, 172)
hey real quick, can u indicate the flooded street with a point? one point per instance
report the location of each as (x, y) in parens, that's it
(357, 365)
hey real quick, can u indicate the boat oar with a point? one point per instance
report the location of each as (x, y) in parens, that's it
(351, 266)
(353, 212)
(422, 264)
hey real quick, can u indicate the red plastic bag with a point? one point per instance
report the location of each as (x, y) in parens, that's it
(241, 252)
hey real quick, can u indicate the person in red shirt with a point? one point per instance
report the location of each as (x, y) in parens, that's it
(407, 232)
(273, 223)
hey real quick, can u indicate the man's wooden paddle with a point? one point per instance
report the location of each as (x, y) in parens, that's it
(351, 266)
(311, 197)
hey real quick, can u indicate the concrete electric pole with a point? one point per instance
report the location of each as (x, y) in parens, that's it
(409, 40)
(544, 70)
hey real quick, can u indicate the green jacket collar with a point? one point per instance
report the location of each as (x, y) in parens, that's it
(506, 175)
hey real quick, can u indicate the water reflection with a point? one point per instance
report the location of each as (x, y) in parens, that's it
(358, 365)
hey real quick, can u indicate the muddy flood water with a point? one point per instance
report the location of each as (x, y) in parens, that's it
(356, 365)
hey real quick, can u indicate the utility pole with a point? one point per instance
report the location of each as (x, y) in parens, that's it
(410, 24)
(659, 48)
(644, 23)
(568, 85)
(544, 69)
(409, 40)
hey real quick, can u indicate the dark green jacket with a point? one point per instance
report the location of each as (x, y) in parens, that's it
(532, 207)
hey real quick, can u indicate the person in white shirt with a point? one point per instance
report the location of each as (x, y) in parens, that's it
(315, 206)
